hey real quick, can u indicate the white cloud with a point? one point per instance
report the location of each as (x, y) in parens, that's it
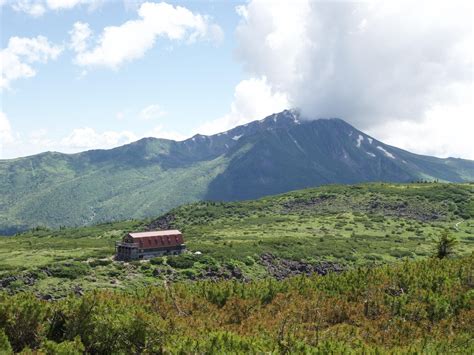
(151, 112)
(80, 34)
(160, 132)
(369, 63)
(30, 7)
(5, 132)
(69, 4)
(253, 99)
(38, 136)
(444, 132)
(5, 128)
(18, 144)
(37, 8)
(88, 138)
(129, 41)
(17, 58)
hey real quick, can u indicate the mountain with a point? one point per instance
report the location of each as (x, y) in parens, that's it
(279, 153)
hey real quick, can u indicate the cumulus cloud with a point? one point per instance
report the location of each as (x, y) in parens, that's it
(37, 8)
(161, 132)
(79, 35)
(370, 63)
(32, 8)
(444, 133)
(88, 138)
(6, 135)
(152, 111)
(69, 4)
(253, 99)
(18, 144)
(5, 129)
(17, 58)
(129, 41)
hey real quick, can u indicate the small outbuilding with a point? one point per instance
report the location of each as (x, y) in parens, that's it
(146, 245)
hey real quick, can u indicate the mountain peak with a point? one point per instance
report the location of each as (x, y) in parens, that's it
(289, 115)
(282, 152)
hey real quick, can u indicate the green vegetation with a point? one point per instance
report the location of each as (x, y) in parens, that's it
(314, 230)
(393, 282)
(55, 190)
(152, 176)
(446, 244)
(409, 307)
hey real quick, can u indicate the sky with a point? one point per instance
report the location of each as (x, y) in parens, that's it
(88, 74)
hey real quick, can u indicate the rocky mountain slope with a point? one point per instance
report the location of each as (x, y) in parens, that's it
(280, 153)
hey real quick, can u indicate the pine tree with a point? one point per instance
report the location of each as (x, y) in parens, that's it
(446, 244)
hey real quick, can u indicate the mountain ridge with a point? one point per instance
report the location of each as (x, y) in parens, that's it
(279, 153)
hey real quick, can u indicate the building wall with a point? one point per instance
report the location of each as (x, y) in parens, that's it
(123, 253)
(151, 253)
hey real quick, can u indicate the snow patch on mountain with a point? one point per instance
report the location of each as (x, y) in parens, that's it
(388, 154)
(359, 140)
(295, 118)
(296, 143)
(236, 138)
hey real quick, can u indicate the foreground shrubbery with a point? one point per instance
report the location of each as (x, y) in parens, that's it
(423, 306)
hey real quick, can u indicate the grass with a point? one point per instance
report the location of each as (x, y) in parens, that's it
(357, 225)
(41, 247)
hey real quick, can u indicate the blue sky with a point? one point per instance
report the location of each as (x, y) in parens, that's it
(191, 83)
(104, 73)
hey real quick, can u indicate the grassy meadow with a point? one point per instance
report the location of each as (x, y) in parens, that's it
(343, 226)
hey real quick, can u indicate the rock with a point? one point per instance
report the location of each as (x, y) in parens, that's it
(164, 222)
(78, 290)
(283, 268)
(394, 291)
(47, 297)
(237, 273)
(5, 282)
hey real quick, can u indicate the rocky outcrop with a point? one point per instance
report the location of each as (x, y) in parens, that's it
(282, 268)
(162, 223)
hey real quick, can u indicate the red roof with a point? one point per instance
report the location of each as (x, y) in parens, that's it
(157, 239)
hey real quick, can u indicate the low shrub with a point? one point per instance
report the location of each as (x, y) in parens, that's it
(100, 262)
(157, 260)
(71, 270)
(185, 261)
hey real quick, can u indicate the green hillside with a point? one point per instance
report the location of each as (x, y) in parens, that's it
(415, 307)
(59, 190)
(151, 176)
(330, 228)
